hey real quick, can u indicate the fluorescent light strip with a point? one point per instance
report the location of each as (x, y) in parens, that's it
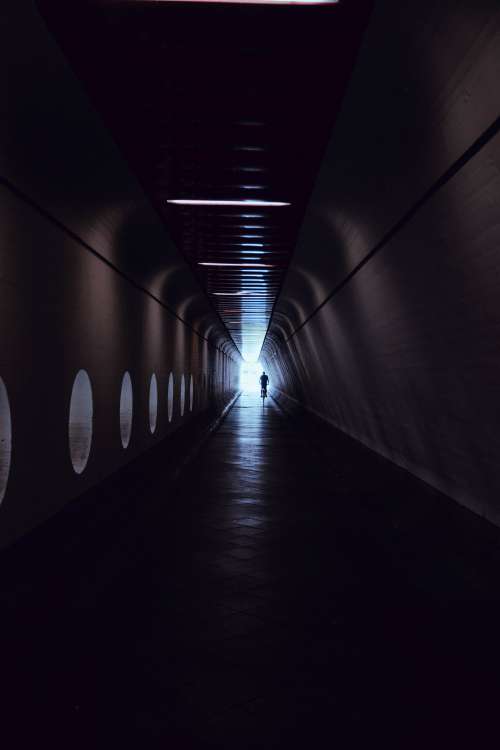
(225, 236)
(229, 294)
(237, 294)
(237, 216)
(252, 2)
(240, 265)
(249, 202)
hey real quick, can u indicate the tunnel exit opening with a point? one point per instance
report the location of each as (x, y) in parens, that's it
(250, 373)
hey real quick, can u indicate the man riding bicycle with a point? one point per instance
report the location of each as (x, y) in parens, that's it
(264, 380)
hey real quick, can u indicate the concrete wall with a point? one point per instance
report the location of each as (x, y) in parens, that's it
(389, 319)
(89, 279)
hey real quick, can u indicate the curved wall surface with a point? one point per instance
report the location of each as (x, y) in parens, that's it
(388, 322)
(89, 280)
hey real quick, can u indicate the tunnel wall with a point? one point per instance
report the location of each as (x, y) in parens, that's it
(89, 280)
(388, 322)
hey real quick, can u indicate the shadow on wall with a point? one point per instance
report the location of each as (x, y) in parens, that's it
(179, 402)
(81, 254)
(400, 240)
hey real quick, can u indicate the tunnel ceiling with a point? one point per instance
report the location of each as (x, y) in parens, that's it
(222, 102)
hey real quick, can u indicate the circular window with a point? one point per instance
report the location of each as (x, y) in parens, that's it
(153, 403)
(126, 409)
(191, 393)
(170, 396)
(81, 413)
(5, 439)
(183, 394)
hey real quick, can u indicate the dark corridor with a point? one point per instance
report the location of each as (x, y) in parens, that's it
(191, 192)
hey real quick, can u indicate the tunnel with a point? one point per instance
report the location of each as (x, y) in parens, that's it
(250, 374)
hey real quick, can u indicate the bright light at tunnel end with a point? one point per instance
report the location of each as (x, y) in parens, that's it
(250, 372)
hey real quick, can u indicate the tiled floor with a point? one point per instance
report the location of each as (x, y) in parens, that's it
(294, 590)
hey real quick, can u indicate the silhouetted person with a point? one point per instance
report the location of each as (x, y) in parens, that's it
(264, 380)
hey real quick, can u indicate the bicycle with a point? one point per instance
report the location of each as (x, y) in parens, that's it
(263, 394)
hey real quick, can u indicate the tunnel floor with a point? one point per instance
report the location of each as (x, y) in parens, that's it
(281, 596)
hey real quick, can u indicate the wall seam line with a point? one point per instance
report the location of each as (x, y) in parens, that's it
(74, 236)
(457, 165)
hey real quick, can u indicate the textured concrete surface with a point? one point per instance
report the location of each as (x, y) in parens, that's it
(290, 590)
(387, 323)
(89, 279)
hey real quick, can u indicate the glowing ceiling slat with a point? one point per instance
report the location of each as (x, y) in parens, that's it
(209, 202)
(251, 2)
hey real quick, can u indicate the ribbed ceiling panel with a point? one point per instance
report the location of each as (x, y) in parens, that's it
(225, 103)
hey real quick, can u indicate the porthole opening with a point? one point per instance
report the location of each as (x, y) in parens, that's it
(153, 403)
(191, 393)
(170, 397)
(126, 409)
(81, 412)
(183, 394)
(5, 439)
